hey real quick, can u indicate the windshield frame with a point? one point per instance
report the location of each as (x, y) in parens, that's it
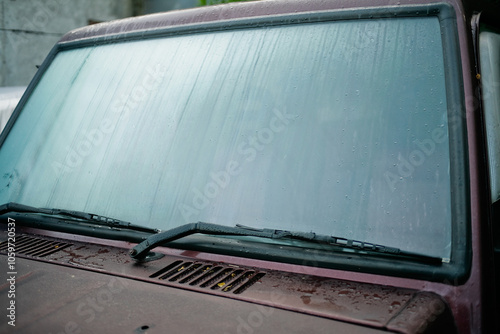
(457, 268)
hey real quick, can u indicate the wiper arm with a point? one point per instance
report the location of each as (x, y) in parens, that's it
(140, 251)
(89, 218)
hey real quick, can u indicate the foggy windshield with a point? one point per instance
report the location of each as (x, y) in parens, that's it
(336, 127)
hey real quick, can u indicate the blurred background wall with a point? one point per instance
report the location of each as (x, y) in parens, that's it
(30, 28)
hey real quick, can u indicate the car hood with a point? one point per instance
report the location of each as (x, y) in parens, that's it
(67, 286)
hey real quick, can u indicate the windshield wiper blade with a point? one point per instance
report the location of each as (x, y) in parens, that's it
(140, 251)
(89, 218)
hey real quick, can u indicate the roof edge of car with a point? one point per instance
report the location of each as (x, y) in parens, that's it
(227, 12)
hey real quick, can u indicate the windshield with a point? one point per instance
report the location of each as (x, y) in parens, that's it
(335, 127)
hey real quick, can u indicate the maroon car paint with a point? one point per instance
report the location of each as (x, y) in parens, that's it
(376, 302)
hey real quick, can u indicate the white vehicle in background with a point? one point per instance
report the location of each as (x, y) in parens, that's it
(9, 97)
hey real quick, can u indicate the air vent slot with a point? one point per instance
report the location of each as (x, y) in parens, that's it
(209, 276)
(31, 246)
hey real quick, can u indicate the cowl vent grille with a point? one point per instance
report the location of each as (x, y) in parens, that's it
(209, 275)
(31, 246)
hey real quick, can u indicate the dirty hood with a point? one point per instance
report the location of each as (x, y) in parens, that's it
(62, 286)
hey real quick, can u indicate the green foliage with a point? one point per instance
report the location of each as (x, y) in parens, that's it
(215, 2)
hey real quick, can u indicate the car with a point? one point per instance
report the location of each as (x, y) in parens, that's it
(259, 167)
(9, 97)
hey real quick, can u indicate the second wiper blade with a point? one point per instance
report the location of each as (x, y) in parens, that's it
(85, 216)
(350, 244)
(140, 251)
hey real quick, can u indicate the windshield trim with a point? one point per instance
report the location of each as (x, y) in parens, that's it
(442, 10)
(458, 268)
